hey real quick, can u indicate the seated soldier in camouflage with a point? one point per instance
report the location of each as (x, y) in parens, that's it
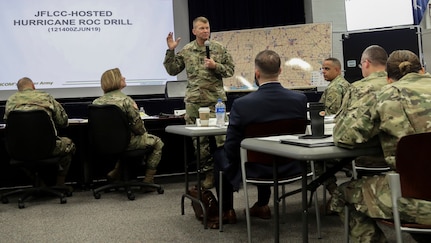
(333, 95)
(401, 108)
(112, 83)
(332, 98)
(28, 98)
(372, 64)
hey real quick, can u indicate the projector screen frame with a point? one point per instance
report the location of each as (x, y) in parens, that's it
(181, 29)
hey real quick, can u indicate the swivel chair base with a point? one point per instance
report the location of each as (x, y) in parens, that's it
(26, 193)
(127, 185)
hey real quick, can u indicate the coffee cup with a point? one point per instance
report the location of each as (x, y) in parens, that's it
(317, 115)
(204, 116)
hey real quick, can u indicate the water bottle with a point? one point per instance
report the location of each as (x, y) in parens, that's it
(142, 112)
(220, 110)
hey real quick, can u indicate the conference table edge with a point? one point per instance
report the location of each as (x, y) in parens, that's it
(306, 153)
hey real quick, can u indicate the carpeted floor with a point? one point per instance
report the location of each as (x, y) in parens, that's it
(151, 218)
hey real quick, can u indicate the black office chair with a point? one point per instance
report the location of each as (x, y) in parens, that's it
(175, 89)
(30, 139)
(109, 134)
(410, 180)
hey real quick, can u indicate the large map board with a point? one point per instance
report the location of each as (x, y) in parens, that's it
(297, 45)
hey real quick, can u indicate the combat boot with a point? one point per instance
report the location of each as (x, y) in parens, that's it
(115, 174)
(208, 183)
(149, 178)
(61, 184)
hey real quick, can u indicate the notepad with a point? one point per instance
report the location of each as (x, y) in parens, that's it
(309, 142)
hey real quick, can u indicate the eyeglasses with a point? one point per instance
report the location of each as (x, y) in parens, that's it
(360, 64)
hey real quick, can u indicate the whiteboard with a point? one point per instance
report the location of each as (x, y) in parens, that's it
(371, 14)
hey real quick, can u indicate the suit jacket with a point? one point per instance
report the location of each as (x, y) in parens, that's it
(270, 102)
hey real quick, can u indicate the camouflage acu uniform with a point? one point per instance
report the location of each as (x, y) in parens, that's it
(400, 109)
(333, 95)
(204, 86)
(332, 98)
(30, 99)
(349, 127)
(140, 138)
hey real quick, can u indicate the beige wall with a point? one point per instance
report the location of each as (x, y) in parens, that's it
(426, 38)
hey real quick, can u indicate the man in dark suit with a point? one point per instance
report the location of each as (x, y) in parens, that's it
(270, 102)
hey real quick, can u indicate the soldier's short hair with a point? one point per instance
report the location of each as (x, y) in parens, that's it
(200, 19)
(335, 61)
(24, 83)
(268, 62)
(375, 54)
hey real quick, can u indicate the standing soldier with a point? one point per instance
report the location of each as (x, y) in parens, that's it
(206, 63)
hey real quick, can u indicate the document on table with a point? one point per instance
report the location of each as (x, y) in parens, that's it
(329, 127)
(202, 128)
(147, 117)
(212, 122)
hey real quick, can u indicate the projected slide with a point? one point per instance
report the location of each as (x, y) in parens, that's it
(70, 43)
